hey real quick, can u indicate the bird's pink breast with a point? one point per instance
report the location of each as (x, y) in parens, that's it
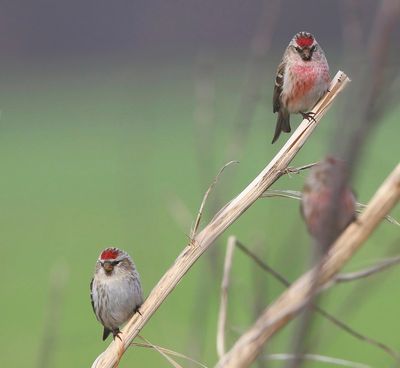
(309, 82)
(305, 79)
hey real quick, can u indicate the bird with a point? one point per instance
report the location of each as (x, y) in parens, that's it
(301, 80)
(115, 290)
(327, 207)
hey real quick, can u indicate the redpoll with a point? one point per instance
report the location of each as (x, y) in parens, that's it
(301, 80)
(115, 290)
(327, 210)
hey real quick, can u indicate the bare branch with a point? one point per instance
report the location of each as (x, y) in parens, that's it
(262, 264)
(360, 207)
(393, 353)
(295, 194)
(204, 239)
(166, 351)
(224, 296)
(290, 303)
(318, 358)
(318, 309)
(163, 353)
(380, 266)
(200, 213)
(296, 170)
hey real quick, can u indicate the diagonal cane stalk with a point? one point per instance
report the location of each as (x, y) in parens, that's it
(229, 214)
(291, 302)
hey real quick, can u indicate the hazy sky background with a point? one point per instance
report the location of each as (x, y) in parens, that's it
(74, 28)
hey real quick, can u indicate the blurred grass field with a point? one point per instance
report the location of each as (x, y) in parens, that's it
(93, 155)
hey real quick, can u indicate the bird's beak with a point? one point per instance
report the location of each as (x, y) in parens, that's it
(108, 267)
(306, 54)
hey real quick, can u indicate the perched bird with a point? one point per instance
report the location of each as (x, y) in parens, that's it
(115, 290)
(327, 208)
(301, 80)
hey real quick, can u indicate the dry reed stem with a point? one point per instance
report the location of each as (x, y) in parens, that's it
(317, 358)
(356, 275)
(223, 307)
(231, 212)
(203, 202)
(319, 310)
(150, 345)
(250, 344)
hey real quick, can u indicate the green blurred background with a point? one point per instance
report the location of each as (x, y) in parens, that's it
(102, 145)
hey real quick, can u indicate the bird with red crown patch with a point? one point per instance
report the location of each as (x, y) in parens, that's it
(301, 80)
(115, 290)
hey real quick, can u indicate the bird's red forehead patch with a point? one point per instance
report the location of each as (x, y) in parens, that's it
(109, 253)
(304, 41)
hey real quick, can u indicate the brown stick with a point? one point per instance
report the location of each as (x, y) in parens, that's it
(230, 213)
(288, 305)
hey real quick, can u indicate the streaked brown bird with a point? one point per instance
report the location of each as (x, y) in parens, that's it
(115, 290)
(327, 210)
(301, 80)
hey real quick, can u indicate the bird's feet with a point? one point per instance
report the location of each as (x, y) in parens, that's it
(310, 116)
(137, 310)
(116, 333)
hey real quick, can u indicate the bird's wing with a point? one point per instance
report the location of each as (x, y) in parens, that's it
(276, 102)
(91, 295)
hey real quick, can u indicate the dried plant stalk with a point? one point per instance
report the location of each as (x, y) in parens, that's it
(250, 344)
(223, 308)
(204, 239)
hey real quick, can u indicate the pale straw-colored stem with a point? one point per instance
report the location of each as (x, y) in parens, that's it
(290, 303)
(230, 213)
(223, 306)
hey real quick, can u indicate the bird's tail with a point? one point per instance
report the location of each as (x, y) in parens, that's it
(106, 332)
(282, 124)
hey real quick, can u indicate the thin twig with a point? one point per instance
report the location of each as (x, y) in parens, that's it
(162, 352)
(358, 293)
(291, 302)
(296, 170)
(318, 358)
(205, 143)
(295, 194)
(205, 238)
(260, 293)
(393, 353)
(203, 202)
(222, 316)
(167, 351)
(318, 309)
(380, 266)
(262, 264)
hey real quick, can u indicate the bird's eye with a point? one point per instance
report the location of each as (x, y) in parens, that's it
(114, 263)
(298, 49)
(313, 48)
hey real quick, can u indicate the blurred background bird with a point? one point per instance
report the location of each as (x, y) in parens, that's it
(116, 292)
(328, 203)
(301, 80)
